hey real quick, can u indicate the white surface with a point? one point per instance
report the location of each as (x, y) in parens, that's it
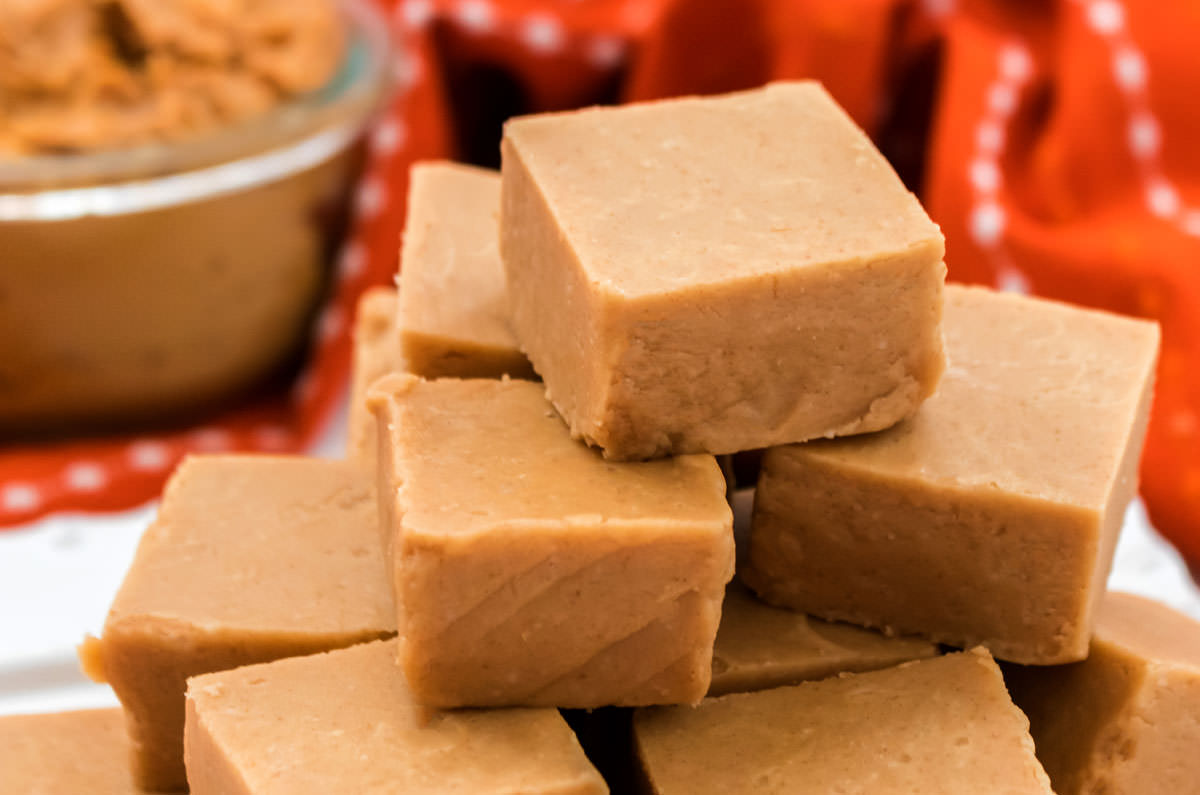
(58, 576)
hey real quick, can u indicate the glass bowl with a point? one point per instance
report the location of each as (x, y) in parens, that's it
(149, 283)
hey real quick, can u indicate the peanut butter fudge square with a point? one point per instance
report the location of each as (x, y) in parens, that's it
(527, 569)
(990, 518)
(1127, 719)
(453, 318)
(346, 722)
(375, 355)
(759, 646)
(251, 558)
(65, 753)
(944, 725)
(718, 274)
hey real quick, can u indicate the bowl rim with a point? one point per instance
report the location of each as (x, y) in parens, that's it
(293, 136)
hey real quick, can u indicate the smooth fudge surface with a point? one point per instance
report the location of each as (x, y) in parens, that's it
(250, 559)
(943, 725)
(65, 753)
(990, 518)
(345, 721)
(1127, 719)
(759, 647)
(453, 315)
(718, 274)
(529, 570)
(375, 355)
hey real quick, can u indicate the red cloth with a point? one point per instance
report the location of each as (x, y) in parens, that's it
(1051, 141)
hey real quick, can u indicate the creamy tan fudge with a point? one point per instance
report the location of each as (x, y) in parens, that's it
(251, 558)
(65, 753)
(1127, 719)
(990, 518)
(760, 647)
(346, 722)
(375, 355)
(944, 725)
(718, 274)
(453, 316)
(530, 571)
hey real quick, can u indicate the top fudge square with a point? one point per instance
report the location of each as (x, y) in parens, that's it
(718, 274)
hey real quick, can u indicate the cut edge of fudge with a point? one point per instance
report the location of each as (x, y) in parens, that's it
(69, 751)
(1115, 721)
(554, 297)
(431, 347)
(374, 325)
(367, 715)
(925, 246)
(539, 564)
(976, 660)
(159, 631)
(834, 462)
(805, 648)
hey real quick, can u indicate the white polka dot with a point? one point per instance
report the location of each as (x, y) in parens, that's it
(1106, 16)
(212, 439)
(86, 477)
(1011, 280)
(985, 176)
(1016, 64)
(990, 137)
(331, 324)
(1002, 99)
(1184, 423)
(415, 13)
(937, 8)
(353, 262)
(476, 16)
(1144, 136)
(19, 497)
(987, 224)
(606, 52)
(1191, 223)
(371, 197)
(272, 437)
(387, 137)
(406, 71)
(543, 34)
(1129, 69)
(1162, 199)
(148, 455)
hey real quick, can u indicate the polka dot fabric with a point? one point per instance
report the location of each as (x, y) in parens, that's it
(1052, 141)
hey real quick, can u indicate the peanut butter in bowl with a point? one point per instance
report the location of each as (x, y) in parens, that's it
(173, 176)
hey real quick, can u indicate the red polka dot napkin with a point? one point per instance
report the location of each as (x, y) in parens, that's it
(1052, 141)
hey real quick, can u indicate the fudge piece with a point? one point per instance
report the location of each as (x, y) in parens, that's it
(1127, 719)
(760, 647)
(251, 558)
(939, 725)
(65, 753)
(453, 314)
(530, 571)
(375, 355)
(718, 274)
(990, 518)
(345, 721)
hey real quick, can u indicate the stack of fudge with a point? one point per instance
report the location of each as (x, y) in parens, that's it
(503, 562)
